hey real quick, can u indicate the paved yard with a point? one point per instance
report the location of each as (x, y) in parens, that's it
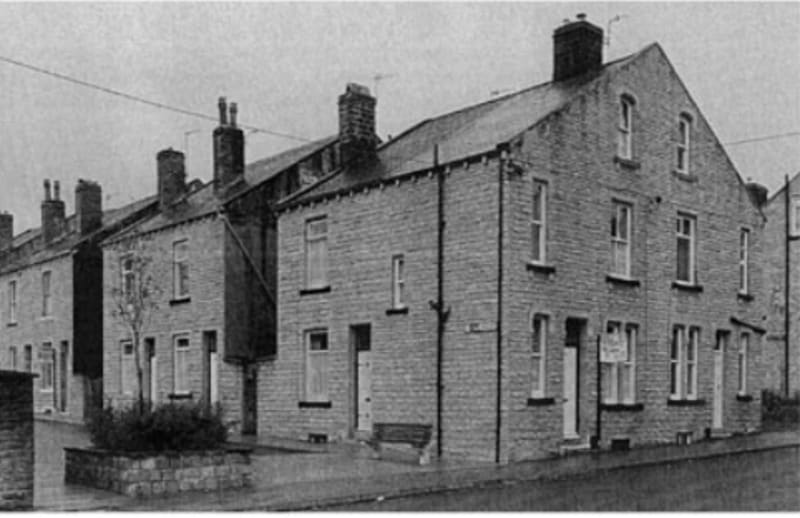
(759, 481)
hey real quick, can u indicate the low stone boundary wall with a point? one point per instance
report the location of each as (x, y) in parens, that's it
(16, 441)
(147, 474)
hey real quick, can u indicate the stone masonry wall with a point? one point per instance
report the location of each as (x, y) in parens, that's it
(16, 441)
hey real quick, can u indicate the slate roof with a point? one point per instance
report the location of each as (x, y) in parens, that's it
(461, 134)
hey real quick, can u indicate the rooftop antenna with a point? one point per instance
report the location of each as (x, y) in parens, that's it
(617, 18)
(186, 139)
(377, 78)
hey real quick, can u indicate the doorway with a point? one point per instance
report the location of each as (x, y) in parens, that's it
(572, 348)
(250, 399)
(210, 370)
(360, 337)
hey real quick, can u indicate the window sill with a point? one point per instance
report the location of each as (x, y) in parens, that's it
(745, 398)
(541, 401)
(686, 402)
(182, 300)
(622, 407)
(11, 324)
(540, 268)
(794, 237)
(745, 297)
(312, 291)
(690, 288)
(686, 177)
(397, 311)
(314, 404)
(181, 396)
(627, 163)
(45, 318)
(622, 281)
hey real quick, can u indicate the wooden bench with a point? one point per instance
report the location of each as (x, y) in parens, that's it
(418, 436)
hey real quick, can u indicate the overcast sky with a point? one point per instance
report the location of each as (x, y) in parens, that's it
(286, 64)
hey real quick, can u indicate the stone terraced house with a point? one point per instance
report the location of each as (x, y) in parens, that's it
(468, 273)
(782, 284)
(51, 300)
(211, 250)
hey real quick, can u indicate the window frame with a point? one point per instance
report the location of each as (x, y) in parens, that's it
(625, 127)
(538, 392)
(744, 261)
(13, 360)
(684, 143)
(692, 363)
(617, 240)
(615, 371)
(127, 365)
(310, 395)
(398, 281)
(794, 216)
(27, 358)
(12, 301)
(676, 360)
(127, 273)
(47, 295)
(539, 222)
(692, 238)
(742, 371)
(316, 239)
(46, 359)
(181, 386)
(180, 265)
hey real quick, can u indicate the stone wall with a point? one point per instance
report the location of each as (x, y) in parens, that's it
(142, 475)
(16, 441)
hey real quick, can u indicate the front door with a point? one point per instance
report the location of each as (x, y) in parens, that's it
(719, 384)
(363, 348)
(571, 392)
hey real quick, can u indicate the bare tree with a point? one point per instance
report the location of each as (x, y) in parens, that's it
(135, 298)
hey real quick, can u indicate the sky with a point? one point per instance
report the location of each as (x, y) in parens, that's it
(285, 64)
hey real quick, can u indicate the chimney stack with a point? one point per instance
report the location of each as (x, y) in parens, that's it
(357, 138)
(228, 148)
(88, 206)
(6, 229)
(171, 167)
(758, 193)
(577, 48)
(52, 213)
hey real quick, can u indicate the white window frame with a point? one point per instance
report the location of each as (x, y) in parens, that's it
(181, 353)
(795, 216)
(676, 360)
(692, 362)
(615, 371)
(684, 367)
(744, 346)
(692, 238)
(744, 259)
(127, 272)
(314, 238)
(683, 147)
(180, 265)
(539, 389)
(12, 302)
(127, 368)
(539, 222)
(322, 358)
(398, 281)
(625, 127)
(618, 241)
(47, 293)
(47, 367)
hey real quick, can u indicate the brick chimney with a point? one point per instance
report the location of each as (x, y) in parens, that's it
(171, 166)
(88, 206)
(52, 212)
(6, 229)
(357, 139)
(577, 48)
(228, 147)
(758, 193)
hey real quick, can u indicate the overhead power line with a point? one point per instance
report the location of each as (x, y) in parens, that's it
(762, 138)
(135, 98)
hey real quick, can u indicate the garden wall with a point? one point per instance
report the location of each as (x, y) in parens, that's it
(16, 440)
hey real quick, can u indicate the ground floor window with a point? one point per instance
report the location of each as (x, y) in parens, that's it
(539, 332)
(12, 358)
(619, 377)
(316, 344)
(683, 362)
(127, 368)
(46, 366)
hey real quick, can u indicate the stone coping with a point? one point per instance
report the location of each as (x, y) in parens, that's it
(160, 453)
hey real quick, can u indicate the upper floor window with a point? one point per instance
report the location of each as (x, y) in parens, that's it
(316, 365)
(398, 281)
(46, 294)
(683, 363)
(684, 143)
(744, 345)
(317, 253)
(12, 302)
(619, 377)
(686, 243)
(621, 240)
(128, 278)
(539, 332)
(625, 128)
(744, 253)
(539, 222)
(180, 269)
(795, 216)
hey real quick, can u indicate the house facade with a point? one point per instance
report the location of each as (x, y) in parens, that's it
(210, 254)
(577, 262)
(782, 282)
(52, 304)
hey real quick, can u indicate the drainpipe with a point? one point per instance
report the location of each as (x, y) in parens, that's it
(787, 317)
(441, 313)
(503, 149)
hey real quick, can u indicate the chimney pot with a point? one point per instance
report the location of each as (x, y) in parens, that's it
(56, 190)
(758, 193)
(233, 110)
(581, 16)
(223, 112)
(53, 217)
(47, 190)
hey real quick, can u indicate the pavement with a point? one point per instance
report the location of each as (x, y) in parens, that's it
(291, 475)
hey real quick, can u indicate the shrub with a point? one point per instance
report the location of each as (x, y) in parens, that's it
(168, 427)
(778, 409)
